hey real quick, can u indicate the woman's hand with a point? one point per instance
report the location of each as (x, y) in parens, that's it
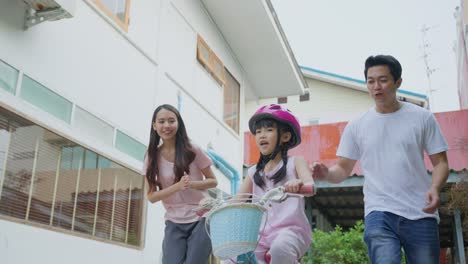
(293, 186)
(184, 183)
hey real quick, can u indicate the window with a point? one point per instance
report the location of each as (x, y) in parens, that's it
(217, 68)
(49, 180)
(203, 53)
(118, 10)
(130, 146)
(46, 99)
(210, 61)
(90, 125)
(282, 100)
(304, 97)
(231, 102)
(8, 77)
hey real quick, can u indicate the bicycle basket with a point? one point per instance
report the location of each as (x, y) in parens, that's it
(234, 229)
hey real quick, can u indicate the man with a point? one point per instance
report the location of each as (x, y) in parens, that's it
(389, 140)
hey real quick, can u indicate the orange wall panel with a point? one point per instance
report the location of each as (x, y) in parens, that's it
(320, 142)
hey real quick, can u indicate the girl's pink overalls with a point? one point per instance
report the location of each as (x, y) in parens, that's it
(287, 234)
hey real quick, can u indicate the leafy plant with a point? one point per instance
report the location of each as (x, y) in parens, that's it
(338, 246)
(459, 199)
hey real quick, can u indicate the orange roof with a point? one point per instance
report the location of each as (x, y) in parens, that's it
(320, 142)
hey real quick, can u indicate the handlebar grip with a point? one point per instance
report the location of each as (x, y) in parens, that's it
(307, 189)
(201, 212)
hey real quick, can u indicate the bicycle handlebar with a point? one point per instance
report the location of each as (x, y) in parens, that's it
(277, 194)
(307, 189)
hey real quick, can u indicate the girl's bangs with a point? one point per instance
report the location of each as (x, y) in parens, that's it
(264, 123)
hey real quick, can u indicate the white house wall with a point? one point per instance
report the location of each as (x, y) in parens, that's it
(201, 95)
(84, 60)
(22, 244)
(145, 18)
(328, 103)
(332, 103)
(209, 131)
(183, 21)
(196, 15)
(120, 78)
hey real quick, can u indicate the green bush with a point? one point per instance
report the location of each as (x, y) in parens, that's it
(338, 246)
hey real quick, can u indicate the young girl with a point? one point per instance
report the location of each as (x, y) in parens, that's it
(287, 233)
(178, 173)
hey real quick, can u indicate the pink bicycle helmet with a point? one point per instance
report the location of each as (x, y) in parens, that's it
(280, 114)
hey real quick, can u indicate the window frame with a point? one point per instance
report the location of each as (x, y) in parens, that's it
(227, 72)
(220, 78)
(3, 84)
(59, 173)
(201, 43)
(209, 63)
(123, 24)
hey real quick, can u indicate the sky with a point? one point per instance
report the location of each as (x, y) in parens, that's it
(338, 35)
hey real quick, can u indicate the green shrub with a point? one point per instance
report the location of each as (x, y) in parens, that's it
(338, 246)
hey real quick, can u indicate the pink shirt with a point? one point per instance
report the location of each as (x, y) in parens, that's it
(289, 214)
(179, 205)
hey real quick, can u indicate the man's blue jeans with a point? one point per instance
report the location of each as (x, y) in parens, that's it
(385, 233)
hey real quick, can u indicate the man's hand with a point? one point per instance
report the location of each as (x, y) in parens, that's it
(319, 171)
(432, 200)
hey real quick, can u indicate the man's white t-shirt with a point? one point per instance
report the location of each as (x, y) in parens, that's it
(390, 149)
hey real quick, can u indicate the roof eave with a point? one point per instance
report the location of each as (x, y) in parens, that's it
(254, 34)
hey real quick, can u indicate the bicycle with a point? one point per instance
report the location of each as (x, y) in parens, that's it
(234, 224)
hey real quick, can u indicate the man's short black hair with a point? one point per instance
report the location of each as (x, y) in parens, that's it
(393, 65)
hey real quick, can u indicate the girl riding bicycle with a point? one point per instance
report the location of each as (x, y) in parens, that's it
(287, 234)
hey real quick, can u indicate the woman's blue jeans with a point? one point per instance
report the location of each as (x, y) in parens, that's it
(385, 233)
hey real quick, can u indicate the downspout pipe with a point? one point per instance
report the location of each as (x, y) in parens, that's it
(226, 168)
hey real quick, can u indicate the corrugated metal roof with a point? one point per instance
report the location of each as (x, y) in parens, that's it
(343, 204)
(320, 142)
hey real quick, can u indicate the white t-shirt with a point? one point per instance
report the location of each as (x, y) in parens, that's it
(390, 149)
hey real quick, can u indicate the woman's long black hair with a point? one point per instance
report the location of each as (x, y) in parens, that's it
(283, 148)
(184, 154)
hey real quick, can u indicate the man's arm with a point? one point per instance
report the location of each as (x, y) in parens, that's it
(439, 177)
(337, 173)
